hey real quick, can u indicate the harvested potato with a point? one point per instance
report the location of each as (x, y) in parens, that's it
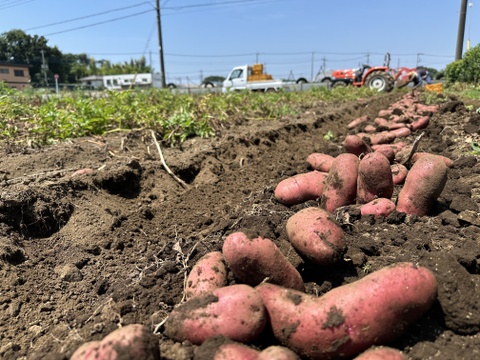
(253, 260)
(222, 348)
(300, 188)
(234, 311)
(133, 341)
(320, 162)
(354, 144)
(419, 154)
(374, 178)
(276, 352)
(349, 319)
(356, 122)
(316, 236)
(341, 183)
(209, 273)
(378, 207)
(423, 185)
(381, 353)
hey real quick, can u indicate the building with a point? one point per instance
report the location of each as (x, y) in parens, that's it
(15, 75)
(117, 82)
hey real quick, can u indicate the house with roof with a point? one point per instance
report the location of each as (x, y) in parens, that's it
(15, 75)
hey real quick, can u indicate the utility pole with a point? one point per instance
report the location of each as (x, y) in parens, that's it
(461, 30)
(160, 45)
(44, 67)
(313, 64)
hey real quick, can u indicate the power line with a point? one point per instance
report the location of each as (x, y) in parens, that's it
(13, 4)
(87, 16)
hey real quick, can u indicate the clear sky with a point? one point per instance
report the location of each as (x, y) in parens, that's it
(209, 37)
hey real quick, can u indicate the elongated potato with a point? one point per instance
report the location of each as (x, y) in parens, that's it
(314, 233)
(320, 162)
(423, 185)
(341, 183)
(374, 178)
(209, 273)
(300, 188)
(253, 260)
(133, 341)
(419, 154)
(351, 318)
(378, 207)
(354, 144)
(234, 311)
(381, 353)
(356, 122)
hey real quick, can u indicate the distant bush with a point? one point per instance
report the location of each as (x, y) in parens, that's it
(466, 70)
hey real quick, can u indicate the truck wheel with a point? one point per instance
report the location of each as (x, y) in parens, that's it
(380, 81)
(302, 81)
(271, 90)
(171, 86)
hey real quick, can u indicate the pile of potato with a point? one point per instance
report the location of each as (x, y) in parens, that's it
(268, 297)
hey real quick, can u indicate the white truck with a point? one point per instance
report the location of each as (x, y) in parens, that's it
(247, 77)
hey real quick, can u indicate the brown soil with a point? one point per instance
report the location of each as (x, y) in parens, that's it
(82, 254)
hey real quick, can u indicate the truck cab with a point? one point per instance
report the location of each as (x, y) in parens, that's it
(252, 78)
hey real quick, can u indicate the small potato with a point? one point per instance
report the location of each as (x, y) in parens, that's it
(234, 311)
(386, 150)
(349, 319)
(276, 352)
(341, 183)
(401, 132)
(209, 273)
(378, 207)
(399, 173)
(383, 137)
(385, 113)
(381, 353)
(300, 188)
(129, 342)
(374, 178)
(314, 233)
(420, 123)
(253, 260)
(354, 144)
(423, 185)
(320, 162)
(356, 122)
(222, 348)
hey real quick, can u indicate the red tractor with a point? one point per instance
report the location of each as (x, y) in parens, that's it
(379, 78)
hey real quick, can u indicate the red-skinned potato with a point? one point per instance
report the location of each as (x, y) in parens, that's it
(133, 341)
(341, 183)
(253, 260)
(234, 311)
(354, 144)
(386, 150)
(349, 319)
(222, 348)
(356, 122)
(399, 173)
(374, 178)
(381, 353)
(418, 155)
(320, 162)
(420, 123)
(276, 352)
(209, 273)
(300, 188)
(401, 132)
(423, 185)
(378, 207)
(316, 236)
(383, 137)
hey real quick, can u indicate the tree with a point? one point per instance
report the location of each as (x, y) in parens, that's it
(466, 69)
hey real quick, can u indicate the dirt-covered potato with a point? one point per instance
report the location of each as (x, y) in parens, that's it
(209, 273)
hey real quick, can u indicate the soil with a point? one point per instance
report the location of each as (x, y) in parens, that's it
(95, 234)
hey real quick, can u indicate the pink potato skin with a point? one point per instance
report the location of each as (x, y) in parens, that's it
(418, 155)
(378, 207)
(374, 178)
(316, 236)
(356, 122)
(381, 353)
(351, 318)
(386, 150)
(133, 341)
(399, 173)
(276, 352)
(341, 183)
(234, 311)
(236, 351)
(354, 144)
(420, 123)
(320, 162)
(423, 185)
(253, 260)
(300, 188)
(209, 273)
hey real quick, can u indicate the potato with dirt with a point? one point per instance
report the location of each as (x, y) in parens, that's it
(300, 188)
(234, 311)
(349, 319)
(133, 341)
(341, 183)
(208, 273)
(320, 161)
(316, 236)
(354, 144)
(254, 259)
(378, 207)
(423, 185)
(381, 353)
(374, 178)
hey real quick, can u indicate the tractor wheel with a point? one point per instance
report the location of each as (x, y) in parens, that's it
(337, 84)
(380, 81)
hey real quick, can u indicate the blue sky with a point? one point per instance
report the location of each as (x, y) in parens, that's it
(209, 37)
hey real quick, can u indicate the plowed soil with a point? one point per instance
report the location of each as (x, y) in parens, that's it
(83, 253)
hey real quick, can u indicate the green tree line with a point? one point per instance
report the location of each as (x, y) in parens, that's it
(17, 47)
